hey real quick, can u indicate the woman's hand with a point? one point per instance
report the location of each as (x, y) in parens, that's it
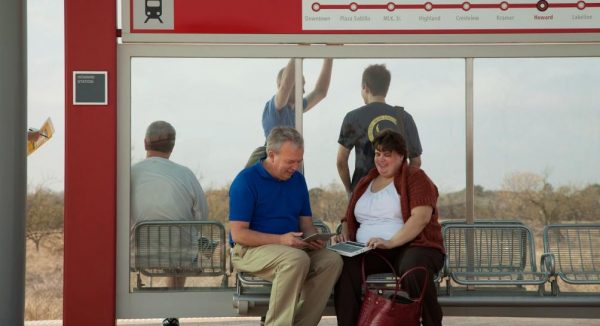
(380, 243)
(343, 235)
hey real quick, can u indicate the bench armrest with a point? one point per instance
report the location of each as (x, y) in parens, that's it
(547, 264)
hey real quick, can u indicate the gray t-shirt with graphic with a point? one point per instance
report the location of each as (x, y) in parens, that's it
(360, 126)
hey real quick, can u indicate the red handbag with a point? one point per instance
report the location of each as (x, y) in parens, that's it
(395, 310)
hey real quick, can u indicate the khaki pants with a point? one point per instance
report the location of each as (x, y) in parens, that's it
(302, 280)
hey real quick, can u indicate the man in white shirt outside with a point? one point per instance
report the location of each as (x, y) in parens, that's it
(164, 190)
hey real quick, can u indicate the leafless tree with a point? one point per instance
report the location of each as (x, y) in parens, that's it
(44, 214)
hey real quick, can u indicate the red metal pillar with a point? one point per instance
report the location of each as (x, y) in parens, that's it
(90, 168)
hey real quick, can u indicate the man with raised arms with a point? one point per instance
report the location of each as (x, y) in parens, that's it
(279, 111)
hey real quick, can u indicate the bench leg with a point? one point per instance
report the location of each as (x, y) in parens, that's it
(554, 287)
(541, 289)
(139, 283)
(242, 307)
(238, 285)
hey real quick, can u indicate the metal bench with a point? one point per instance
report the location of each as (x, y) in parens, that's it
(499, 290)
(445, 223)
(440, 276)
(576, 252)
(178, 249)
(491, 255)
(251, 290)
(387, 279)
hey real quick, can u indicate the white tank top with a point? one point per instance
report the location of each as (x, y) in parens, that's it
(378, 213)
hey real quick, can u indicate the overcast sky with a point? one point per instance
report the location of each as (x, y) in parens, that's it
(534, 115)
(45, 47)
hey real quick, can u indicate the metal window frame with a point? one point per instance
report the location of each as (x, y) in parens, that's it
(216, 303)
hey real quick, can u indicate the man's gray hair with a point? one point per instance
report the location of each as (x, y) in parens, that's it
(280, 135)
(160, 136)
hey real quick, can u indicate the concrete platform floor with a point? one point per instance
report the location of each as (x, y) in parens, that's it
(330, 321)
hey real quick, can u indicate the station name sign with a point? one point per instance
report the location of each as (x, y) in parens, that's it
(354, 21)
(90, 88)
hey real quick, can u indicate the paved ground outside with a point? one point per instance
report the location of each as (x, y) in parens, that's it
(330, 321)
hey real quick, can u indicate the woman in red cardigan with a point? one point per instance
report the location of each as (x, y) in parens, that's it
(393, 209)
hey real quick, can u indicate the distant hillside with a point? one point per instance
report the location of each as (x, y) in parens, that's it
(539, 204)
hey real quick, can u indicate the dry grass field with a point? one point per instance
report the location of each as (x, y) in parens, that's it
(44, 279)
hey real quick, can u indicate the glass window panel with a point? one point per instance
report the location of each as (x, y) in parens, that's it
(536, 139)
(216, 108)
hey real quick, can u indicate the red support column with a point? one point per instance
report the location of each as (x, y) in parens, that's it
(90, 168)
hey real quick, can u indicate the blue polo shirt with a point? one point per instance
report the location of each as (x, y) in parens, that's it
(269, 205)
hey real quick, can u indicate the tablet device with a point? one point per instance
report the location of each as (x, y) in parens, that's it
(349, 248)
(318, 236)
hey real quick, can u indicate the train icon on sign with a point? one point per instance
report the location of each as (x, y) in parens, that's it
(153, 10)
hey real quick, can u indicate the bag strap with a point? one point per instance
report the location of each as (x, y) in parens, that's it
(364, 278)
(425, 279)
(396, 278)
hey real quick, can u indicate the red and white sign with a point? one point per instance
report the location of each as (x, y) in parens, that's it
(458, 16)
(354, 21)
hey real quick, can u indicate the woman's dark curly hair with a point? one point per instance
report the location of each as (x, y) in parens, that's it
(390, 141)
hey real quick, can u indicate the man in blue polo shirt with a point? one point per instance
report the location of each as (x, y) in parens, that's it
(269, 213)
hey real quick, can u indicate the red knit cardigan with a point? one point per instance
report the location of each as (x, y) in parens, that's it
(415, 189)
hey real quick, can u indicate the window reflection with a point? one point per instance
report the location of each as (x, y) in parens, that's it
(216, 108)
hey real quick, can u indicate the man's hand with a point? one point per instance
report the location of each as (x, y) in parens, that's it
(315, 244)
(33, 135)
(292, 239)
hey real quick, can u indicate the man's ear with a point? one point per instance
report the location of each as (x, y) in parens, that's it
(146, 145)
(271, 155)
